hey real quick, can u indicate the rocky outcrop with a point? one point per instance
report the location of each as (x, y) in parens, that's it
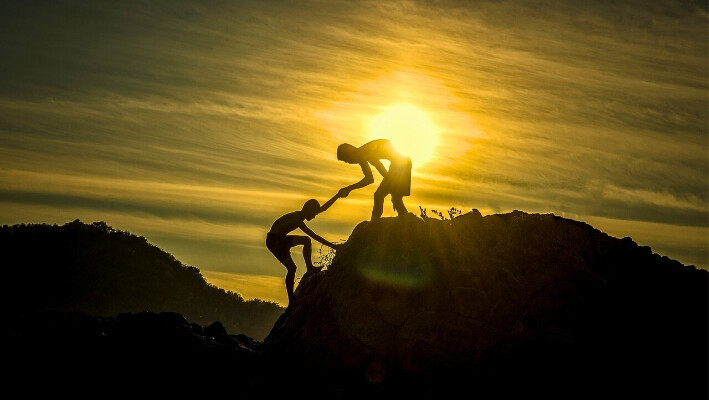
(503, 306)
(538, 300)
(71, 352)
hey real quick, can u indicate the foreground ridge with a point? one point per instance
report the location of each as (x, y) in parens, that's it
(500, 306)
(544, 300)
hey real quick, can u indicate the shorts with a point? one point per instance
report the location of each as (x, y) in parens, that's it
(279, 245)
(398, 181)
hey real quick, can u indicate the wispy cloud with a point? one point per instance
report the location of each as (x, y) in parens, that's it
(661, 199)
(214, 119)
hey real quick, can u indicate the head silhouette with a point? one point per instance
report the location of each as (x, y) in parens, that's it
(311, 208)
(346, 153)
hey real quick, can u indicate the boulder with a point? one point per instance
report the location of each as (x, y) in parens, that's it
(528, 297)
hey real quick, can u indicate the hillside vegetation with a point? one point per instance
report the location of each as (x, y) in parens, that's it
(95, 269)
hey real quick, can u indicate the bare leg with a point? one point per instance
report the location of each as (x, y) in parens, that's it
(378, 206)
(307, 252)
(290, 279)
(398, 202)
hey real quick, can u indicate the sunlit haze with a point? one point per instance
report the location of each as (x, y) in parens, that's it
(197, 124)
(409, 129)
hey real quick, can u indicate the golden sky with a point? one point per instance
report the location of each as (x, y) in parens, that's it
(197, 124)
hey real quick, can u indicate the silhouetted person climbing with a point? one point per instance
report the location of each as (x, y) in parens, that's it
(279, 242)
(396, 181)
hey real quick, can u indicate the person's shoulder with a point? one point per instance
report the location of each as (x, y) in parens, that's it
(293, 216)
(287, 222)
(378, 143)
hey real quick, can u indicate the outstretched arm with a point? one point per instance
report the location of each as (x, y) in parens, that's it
(368, 179)
(380, 167)
(329, 203)
(315, 236)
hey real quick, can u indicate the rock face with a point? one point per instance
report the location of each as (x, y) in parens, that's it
(506, 303)
(62, 352)
(502, 306)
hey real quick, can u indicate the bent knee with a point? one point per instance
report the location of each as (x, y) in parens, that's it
(288, 262)
(379, 196)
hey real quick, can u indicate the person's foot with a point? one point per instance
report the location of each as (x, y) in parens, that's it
(408, 214)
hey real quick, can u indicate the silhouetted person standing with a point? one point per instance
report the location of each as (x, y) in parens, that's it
(396, 181)
(279, 242)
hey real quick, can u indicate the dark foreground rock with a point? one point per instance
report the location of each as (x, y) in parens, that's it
(503, 306)
(78, 351)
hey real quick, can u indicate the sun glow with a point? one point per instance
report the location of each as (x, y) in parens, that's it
(409, 129)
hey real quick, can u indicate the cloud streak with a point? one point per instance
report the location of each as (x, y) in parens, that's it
(198, 124)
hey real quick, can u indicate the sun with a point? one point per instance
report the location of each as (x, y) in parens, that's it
(409, 129)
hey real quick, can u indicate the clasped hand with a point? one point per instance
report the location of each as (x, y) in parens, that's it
(344, 192)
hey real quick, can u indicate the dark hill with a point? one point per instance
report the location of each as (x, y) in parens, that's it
(502, 305)
(100, 271)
